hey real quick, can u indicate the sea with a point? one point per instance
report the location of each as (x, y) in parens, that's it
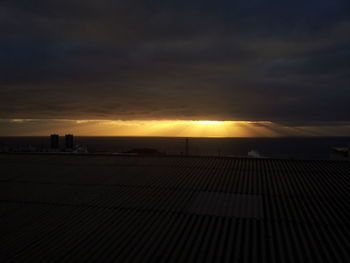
(310, 148)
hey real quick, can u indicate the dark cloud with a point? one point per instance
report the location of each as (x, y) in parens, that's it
(233, 60)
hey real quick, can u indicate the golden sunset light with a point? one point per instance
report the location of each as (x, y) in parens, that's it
(171, 128)
(164, 128)
(159, 128)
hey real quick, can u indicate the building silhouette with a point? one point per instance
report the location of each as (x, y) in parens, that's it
(187, 147)
(54, 141)
(69, 141)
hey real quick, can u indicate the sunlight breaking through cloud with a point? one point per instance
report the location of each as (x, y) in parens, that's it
(166, 128)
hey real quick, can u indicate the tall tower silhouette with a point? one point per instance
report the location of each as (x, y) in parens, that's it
(69, 139)
(54, 141)
(187, 149)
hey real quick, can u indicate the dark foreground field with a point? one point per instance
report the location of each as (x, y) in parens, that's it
(56, 208)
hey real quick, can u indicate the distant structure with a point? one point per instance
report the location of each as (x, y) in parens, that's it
(69, 140)
(254, 154)
(25, 148)
(341, 154)
(187, 150)
(55, 141)
(144, 152)
(80, 149)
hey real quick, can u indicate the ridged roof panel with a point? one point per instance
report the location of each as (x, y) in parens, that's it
(171, 209)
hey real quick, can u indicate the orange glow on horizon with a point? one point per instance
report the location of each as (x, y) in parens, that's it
(208, 122)
(160, 128)
(168, 128)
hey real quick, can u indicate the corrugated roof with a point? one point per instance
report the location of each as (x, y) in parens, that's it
(171, 209)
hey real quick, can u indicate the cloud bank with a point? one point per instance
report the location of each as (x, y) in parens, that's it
(188, 60)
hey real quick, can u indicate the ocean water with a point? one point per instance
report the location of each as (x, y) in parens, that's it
(296, 147)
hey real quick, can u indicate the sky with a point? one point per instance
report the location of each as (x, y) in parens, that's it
(282, 64)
